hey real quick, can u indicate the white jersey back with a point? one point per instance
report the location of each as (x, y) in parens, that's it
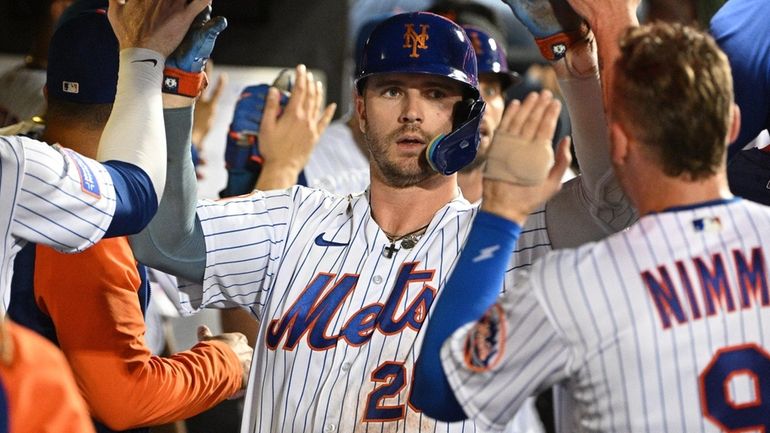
(662, 328)
(340, 322)
(50, 196)
(337, 164)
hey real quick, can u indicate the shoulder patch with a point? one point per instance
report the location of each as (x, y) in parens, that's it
(88, 182)
(485, 342)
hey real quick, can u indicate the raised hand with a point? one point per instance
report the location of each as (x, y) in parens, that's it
(287, 137)
(157, 25)
(521, 172)
(184, 73)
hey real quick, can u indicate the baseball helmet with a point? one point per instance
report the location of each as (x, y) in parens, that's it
(490, 56)
(426, 43)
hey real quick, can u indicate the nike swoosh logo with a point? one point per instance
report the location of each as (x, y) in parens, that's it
(153, 61)
(321, 242)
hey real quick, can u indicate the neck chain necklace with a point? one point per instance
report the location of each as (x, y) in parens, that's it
(408, 240)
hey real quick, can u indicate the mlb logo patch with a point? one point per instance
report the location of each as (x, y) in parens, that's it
(485, 341)
(70, 87)
(707, 225)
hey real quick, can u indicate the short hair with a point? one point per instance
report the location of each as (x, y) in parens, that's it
(674, 92)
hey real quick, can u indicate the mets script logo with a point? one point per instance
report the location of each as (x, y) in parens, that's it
(414, 41)
(315, 312)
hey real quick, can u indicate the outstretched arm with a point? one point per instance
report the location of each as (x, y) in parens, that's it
(593, 201)
(513, 187)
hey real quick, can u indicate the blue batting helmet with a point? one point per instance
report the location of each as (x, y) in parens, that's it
(490, 56)
(426, 43)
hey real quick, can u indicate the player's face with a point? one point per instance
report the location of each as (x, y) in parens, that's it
(400, 114)
(492, 93)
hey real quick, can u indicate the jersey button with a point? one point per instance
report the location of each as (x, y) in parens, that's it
(330, 428)
(377, 279)
(345, 366)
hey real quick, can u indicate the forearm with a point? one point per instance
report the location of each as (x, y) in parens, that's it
(481, 266)
(608, 26)
(173, 241)
(125, 392)
(134, 132)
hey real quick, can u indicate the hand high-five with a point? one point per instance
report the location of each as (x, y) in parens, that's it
(157, 25)
(521, 172)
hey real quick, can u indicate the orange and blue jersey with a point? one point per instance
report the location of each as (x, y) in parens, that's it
(91, 305)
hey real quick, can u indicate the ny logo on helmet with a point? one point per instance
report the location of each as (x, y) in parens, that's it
(414, 41)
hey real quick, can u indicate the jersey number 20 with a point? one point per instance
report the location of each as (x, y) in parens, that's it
(717, 379)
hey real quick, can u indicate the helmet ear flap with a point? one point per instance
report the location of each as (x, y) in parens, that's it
(449, 153)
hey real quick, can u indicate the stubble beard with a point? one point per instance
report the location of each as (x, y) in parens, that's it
(397, 174)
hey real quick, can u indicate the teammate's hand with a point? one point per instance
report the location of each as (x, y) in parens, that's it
(238, 343)
(287, 138)
(553, 23)
(521, 173)
(158, 25)
(184, 73)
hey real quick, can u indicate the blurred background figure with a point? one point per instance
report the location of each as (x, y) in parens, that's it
(21, 87)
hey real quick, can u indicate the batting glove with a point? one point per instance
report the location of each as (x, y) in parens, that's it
(553, 23)
(184, 73)
(242, 158)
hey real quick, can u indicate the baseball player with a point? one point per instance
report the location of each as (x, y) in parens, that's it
(342, 285)
(658, 328)
(60, 198)
(124, 385)
(56, 197)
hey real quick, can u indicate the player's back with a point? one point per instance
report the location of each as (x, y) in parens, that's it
(668, 321)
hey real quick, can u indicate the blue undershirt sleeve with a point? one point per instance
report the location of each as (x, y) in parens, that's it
(135, 197)
(473, 287)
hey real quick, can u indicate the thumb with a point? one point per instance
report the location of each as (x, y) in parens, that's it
(204, 333)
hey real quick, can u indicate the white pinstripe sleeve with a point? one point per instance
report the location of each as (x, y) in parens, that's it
(65, 200)
(245, 238)
(513, 352)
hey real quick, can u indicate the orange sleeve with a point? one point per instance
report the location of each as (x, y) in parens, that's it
(41, 393)
(92, 299)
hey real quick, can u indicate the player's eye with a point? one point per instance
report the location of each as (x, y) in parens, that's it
(436, 93)
(391, 92)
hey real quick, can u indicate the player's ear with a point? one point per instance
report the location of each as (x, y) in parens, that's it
(735, 123)
(45, 92)
(361, 112)
(619, 143)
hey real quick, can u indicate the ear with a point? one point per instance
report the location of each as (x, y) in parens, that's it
(735, 125)
(45, 92)
(619, 143)
(361, 112)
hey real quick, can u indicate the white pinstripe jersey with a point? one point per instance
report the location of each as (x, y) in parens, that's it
(662, 328)
(337, 164)
(50, 196)
(340, 323)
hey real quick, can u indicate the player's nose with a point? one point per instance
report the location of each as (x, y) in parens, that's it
(411, 107)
